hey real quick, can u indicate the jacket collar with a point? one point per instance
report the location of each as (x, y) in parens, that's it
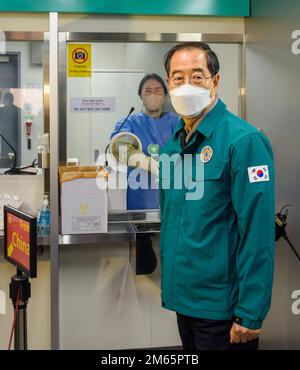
(209, 122)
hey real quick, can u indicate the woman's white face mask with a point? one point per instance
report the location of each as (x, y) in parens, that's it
(153, 103)
(189, 100)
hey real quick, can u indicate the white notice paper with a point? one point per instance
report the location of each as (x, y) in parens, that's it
(96, 105)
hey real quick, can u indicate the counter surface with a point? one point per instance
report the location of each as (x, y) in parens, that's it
(122, 227)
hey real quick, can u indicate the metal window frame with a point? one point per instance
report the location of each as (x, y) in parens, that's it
(48, 187)
(55, 73)
(44, 37)
(65, 37)
(24, 36)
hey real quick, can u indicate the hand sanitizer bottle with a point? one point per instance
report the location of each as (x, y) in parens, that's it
(43, 219)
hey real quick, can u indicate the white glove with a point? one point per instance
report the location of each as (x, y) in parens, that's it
(153, 166)
(127, 154)
(140, 160)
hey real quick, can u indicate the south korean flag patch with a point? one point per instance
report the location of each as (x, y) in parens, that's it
(258, 173)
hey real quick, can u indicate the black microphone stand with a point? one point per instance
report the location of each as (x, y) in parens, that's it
(14, 170)
(280, 225)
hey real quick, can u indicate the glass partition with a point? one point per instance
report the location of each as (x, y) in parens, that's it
(97, 101)
(100, 85)
(21, 100)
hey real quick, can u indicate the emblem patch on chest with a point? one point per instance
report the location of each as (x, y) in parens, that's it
(206, 154)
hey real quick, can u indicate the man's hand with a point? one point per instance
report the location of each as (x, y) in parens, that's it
(240, 334)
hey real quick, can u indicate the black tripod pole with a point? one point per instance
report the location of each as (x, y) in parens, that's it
(20, 283)
(291, 245)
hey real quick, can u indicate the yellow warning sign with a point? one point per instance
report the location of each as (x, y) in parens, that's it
(79, 60)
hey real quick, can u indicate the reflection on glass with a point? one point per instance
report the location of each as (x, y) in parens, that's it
(21, 103)
(10, 130)
(99, 100)
(116, 71)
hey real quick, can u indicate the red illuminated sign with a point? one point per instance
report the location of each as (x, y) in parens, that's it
(20, 240)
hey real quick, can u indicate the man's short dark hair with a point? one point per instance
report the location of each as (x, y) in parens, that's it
(152, 76)
(211, 57)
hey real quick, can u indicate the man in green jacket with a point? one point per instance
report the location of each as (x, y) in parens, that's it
(217, 232)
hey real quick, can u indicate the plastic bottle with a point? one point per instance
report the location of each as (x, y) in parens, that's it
(43, 219)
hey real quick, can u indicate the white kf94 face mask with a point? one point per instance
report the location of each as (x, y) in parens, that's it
(189, 100)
